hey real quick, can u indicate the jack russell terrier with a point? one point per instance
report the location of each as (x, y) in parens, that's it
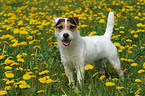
(77, 51)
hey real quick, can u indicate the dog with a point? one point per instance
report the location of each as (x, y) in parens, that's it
(77, 51)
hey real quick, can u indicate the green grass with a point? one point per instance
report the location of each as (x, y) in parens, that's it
(34, 18)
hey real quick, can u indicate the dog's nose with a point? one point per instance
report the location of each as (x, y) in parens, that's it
(65, 35)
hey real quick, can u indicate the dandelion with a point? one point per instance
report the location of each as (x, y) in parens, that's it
(3, 92)
(92, 33)
(43, 72)
(42, 80)
(10, 82)
(49, 81)
(40, 91)
(144, 65)
(63, 95)
(109, 84)
(102, 21)
(26, 76)
(139, 25)
(135, 35)
(102, 77)
(36, 47)
(20, 60)
(95, 74)
(88, 67)
(138, 80)
(8, 68)
(120, 88)
(134, 64)
(14, 63)
(9, 75)
(128, 40)
(115, 79)
(24, 86)
(8, 88)
(141, 71)
(117, 44)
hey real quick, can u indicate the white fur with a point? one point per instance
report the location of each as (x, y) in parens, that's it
(88, 50)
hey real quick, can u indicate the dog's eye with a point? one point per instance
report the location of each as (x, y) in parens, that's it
(72, 27)
(60, 27)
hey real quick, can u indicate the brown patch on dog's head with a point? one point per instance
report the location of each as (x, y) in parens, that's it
(72, 23)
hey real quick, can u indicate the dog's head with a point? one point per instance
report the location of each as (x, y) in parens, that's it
(66, 29)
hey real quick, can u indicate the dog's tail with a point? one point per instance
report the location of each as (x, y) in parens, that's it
(110, 25)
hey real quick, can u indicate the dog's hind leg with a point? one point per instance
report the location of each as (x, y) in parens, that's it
(115, 62)
(98, 65)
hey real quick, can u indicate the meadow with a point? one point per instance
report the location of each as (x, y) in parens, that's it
(30, 62)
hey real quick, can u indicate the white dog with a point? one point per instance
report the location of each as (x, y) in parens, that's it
(77, 51)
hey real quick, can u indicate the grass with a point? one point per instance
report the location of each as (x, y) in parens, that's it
(29, 55)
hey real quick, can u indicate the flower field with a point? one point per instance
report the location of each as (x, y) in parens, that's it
(30, 62)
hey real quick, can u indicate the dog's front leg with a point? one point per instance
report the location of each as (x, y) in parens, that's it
(69, 74)
(68, 70)
(80, 71)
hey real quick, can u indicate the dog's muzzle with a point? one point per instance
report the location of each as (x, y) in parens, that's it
(66, 41)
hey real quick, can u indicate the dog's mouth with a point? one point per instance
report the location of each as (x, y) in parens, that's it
(66, 42)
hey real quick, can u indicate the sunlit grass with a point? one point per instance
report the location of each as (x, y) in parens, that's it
(30, 62)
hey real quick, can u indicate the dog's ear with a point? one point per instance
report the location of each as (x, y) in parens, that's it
(74, 20)
(56, 19)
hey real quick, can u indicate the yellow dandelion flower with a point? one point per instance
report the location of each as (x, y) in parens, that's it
(117, 44)
(43, 72)
(128, 40)
(42, 80)
(88, 67)
(1, 57)
(40, 91)
(109, 84)
(3, 92)
(138, 80)
(20, 60)
(124, 70)
(23, 32)
(23, 86)
(49, 81)
(23, 43)
(120, 88)
(141, 71)
(63, 74)
(57, 80)
(7, 68)
(95, 74)
(121, 32)
(63, 95)
(144, 65)
(134, 64)
(26, 76)
(139, 25)
(92, 33)
(10, 82)
(54, 75)
(114, 79)
(135, 35)
(14, 63)
(102, 21)
(102, 77)
(8, 88)
(16, 31)
(9, 75)
(36, 47)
